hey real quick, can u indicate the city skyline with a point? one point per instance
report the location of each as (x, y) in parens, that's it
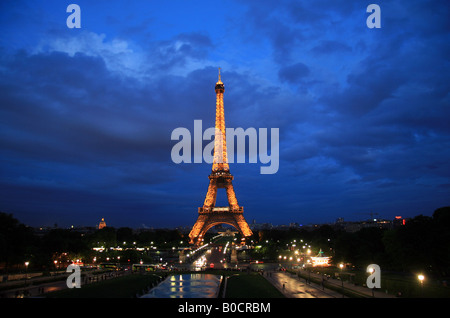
(87, 114)
(254, 224)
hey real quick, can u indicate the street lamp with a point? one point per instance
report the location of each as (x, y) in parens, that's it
(26, 271)
(421, 279)
(371, 270)
(341, 266)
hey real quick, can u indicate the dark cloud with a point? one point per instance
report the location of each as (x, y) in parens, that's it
(331, 47)
(294, 73)
(176, 52)
(53, 100)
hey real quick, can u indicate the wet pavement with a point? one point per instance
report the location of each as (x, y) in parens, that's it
(293, 287)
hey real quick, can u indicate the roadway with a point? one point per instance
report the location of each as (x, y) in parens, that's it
(216, 257)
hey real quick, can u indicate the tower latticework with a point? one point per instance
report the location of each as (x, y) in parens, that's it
(209, 215)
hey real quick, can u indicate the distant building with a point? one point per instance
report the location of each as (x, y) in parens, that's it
(102, 224)
(398, 221)
(358, 225)
(260, 226)
(228, 232)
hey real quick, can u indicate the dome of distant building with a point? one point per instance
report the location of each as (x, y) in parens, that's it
(102, 224)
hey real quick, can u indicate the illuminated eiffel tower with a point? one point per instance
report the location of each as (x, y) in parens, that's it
(209, 215)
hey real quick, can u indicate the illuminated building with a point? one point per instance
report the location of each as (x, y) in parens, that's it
(102, 224)
(209, 215)
(320, 260)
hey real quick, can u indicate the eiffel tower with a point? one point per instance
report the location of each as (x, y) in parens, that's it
(209, 215)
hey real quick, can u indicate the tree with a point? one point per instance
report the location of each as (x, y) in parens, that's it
(105, 237)
(345, 247)
(411, 246)
(441, 240)
(125, 234)
(370, 247)
(16, 241)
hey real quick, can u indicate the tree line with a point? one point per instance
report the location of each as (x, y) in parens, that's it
(20, 243)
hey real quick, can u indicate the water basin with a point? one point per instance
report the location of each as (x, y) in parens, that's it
(187, 286)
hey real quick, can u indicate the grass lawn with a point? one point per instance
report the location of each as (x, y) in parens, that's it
(251, 285)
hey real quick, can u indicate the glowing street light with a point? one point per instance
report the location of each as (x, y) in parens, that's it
(26, 274)
(421, 279)
(341, 266)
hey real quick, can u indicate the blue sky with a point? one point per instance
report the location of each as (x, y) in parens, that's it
(86, 114)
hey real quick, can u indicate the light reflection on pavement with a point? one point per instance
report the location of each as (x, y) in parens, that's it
(292, 287)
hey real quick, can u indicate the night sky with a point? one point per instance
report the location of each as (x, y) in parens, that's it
(86, 114)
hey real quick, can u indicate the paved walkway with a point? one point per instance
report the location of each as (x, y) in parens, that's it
(33, 290)
(293, 287)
